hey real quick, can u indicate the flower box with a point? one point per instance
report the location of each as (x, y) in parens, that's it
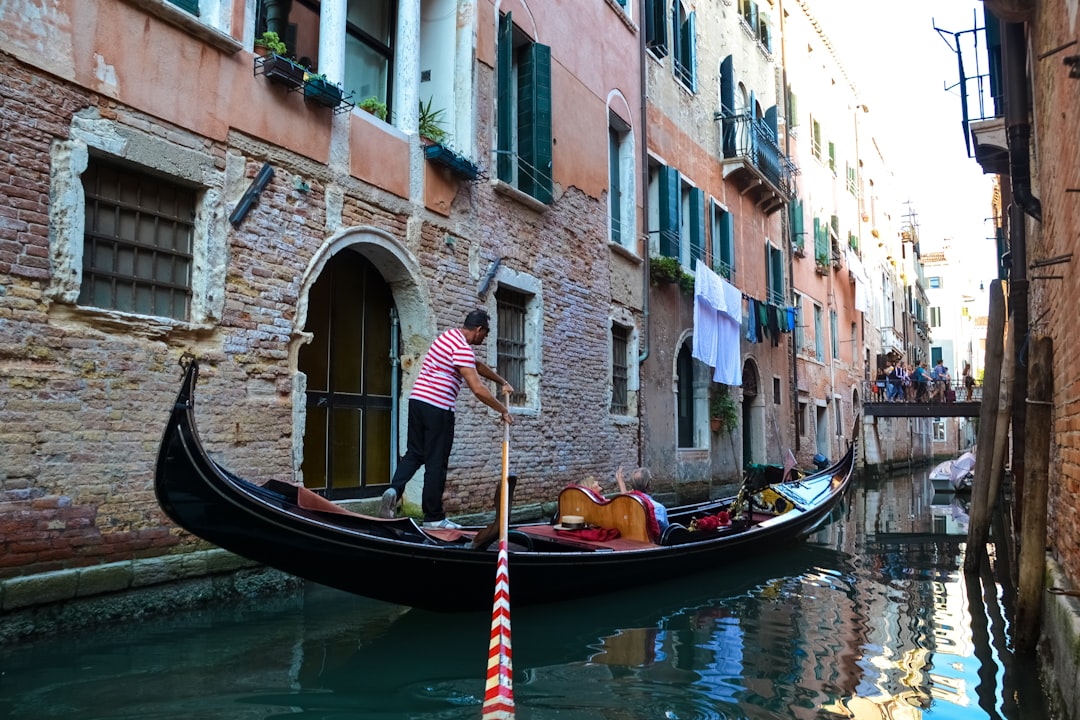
(322, 92)
(452, 161)
(282, 71)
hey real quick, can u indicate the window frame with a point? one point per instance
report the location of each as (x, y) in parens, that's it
(656, 28)
(722, 234)
(622, 187)
(819, 333)
(523, 104)
(834, 334)
(118, 239)
(156, 155)
(684, 45)
(511, 307)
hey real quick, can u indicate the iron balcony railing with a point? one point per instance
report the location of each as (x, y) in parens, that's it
(752, 140)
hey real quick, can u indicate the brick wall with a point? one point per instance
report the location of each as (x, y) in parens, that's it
(84, 394)
(1053, 302)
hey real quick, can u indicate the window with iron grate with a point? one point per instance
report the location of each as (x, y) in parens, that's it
(137, 252)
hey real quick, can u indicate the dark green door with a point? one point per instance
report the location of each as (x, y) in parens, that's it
(349, 419)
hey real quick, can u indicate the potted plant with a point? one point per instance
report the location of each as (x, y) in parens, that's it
(723, 411)
(318, 89)
(374, 106)
(272, 63)
(665, 269)
(430, 125)
(822, 263)
(269, 43)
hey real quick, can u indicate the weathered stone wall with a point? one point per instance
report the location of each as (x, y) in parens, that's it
(1056, 160)
(84, 393)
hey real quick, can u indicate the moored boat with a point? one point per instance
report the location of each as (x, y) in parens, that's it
(939, 477)
(295, 530)
(962, 472)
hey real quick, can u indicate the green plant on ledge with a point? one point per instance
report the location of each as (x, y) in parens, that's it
(374, 106)
(271, 42)
(723, 408)
(665, 269)
(431, 123)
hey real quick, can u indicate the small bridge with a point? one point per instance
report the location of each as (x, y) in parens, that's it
(936, 405)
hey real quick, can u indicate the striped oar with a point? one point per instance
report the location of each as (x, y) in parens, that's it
(499, 690)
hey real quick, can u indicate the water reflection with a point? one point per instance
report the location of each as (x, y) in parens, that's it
(870, 619)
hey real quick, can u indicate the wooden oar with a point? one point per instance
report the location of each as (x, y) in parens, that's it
(499, 690)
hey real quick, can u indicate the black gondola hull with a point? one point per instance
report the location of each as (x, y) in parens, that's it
(394, 561)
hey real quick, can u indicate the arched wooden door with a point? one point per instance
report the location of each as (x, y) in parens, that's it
(349, 379)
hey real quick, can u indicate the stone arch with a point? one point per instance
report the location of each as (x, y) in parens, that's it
(417, 327)
(753, 413)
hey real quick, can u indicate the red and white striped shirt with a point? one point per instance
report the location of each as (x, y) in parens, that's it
(440, 380)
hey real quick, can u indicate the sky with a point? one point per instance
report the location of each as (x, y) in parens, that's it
(901, 68)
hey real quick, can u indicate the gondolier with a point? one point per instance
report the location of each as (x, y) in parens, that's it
(450, 361)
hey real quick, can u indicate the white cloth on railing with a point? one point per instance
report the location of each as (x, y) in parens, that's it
(862, 281)
(717, 318)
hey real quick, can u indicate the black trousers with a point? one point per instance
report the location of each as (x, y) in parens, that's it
(431, 436)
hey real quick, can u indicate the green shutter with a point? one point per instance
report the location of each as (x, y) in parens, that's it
(191, 6)
(697, 225)
(504, 108)
(669, 211)
(534, 122)
(798, 238)
(792, 109)
(676, 39)
(689, 43)
(776, 267)
(821, 239)
(727, 240)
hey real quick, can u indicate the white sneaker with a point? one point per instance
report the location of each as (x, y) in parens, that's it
(444, 524)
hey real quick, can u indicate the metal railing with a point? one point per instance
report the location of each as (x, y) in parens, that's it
(750, 139)
(931, 392)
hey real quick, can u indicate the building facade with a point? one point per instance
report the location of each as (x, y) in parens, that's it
(181, 193)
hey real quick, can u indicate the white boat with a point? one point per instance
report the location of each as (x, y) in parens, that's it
(962, 472)
(939, 477)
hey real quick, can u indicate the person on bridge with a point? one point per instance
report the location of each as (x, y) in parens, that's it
(919, 381)
(969, 382)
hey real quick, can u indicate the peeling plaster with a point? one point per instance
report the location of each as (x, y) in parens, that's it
(103, 71)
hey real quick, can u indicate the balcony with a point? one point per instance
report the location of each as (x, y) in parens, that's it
(891, 341)
(752, 159)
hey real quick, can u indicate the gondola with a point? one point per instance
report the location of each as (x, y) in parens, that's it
(299, 532)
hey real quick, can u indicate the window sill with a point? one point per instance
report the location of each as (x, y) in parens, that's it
(624, 15)
(504, 188)
(625, 252)
(189, 23)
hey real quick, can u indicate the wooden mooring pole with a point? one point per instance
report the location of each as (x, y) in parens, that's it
(979, 512)
(1032, 569)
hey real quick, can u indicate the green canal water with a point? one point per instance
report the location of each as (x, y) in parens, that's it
(871, 618)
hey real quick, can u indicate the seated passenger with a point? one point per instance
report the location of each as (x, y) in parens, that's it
(591, 485)
(640, 480)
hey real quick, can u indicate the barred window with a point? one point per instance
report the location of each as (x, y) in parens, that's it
(511, 341)
(620, 340)
(137, 253)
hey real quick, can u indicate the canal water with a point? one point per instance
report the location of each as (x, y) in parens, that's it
(872, 618)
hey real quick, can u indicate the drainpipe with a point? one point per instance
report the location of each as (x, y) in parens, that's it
(794, 351)
(643, 355)
(645, 284)
(1017, 127)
